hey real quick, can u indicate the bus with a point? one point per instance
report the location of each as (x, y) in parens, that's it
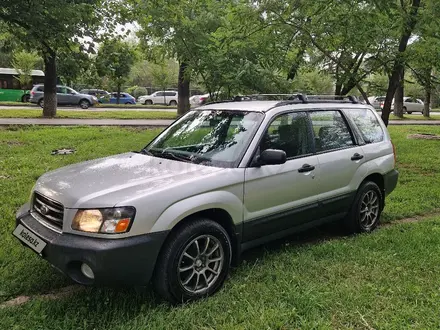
(10, 88)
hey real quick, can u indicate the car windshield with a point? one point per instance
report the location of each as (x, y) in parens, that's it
(210, 137)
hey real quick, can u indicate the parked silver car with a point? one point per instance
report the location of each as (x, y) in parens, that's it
(222, 179)
(160, 97)
(65, 96)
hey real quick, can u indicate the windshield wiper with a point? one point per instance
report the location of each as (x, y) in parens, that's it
(146, 152)
(168, 154)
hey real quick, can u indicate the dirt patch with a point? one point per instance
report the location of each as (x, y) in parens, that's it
(13, 143)
(54, 295)
(424, 136)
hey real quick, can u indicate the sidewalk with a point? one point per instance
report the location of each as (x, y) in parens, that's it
(85, 122)
(141, 122)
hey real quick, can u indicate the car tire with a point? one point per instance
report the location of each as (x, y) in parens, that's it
(25, 98)
(148, 102)
(173, 103)
(84, 104)
(404, 110)
(127, 103)
(364, 215)
(41, 102)
(182, 272)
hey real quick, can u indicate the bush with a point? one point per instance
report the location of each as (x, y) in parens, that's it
(139, 91)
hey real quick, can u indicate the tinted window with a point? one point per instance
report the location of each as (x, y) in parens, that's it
(170, 94)
(290, 133)
(330, 130)
(367, 123)
(409, 100)
(61, 90)
(160, 94)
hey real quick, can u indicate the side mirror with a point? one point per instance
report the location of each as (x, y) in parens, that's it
(272, 157)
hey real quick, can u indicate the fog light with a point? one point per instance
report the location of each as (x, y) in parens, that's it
(87, 271)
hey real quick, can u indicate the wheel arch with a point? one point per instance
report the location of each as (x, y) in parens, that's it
(378, 179)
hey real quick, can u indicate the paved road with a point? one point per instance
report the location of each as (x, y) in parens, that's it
(141, 122)
(100, 109)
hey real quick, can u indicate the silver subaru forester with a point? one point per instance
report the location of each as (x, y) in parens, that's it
(221, 179)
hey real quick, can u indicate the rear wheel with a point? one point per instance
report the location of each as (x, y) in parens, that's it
(194, 262)
(84, 104)
(365, 212)
(148, 102)
(25, 98)
(41, 102)
(173, 103)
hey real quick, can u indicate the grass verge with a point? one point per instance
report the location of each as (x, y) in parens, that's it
(414, 117)
(91, 115)
(385, 280)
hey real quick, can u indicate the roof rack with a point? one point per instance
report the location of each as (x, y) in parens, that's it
(293, 98)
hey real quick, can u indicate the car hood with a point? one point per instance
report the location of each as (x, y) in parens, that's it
(108, 181)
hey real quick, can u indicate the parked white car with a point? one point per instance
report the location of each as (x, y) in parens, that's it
(377, 101)
(411, 105)
(198, 100)
(160, 97)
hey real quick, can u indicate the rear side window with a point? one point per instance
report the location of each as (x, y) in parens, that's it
(40, 89)
(170, 94)
(331, 131)
(368, 124)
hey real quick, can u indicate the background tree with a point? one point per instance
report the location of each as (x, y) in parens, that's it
(114, 60)
(54, 26)
(24, 62)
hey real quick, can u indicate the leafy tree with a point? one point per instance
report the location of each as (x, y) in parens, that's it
(55, 26)
(114, 60)
(24, 62)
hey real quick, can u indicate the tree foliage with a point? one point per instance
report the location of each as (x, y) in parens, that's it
(114, 61)
(24, 62)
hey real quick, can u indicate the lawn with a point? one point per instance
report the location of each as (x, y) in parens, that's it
(126, 114)
(320, 280)
(415, 117)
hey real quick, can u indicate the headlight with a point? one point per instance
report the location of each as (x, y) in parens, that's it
(94, 98)
(108, 221)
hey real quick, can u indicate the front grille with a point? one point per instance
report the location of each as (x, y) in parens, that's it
(48, 210)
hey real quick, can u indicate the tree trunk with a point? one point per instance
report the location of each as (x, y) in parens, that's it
(50, 85)
(338, 88)
(118, 96)
(399, 62)
(364, 95)
(427, 109)
(183, 89)
(398, 96)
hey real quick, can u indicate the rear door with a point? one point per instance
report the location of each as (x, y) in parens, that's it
(339, 159)
(279, 197)
(62, 96)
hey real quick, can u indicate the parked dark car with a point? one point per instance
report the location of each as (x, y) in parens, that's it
(65, 96)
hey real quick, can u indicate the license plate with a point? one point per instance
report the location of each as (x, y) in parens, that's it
(28, 237)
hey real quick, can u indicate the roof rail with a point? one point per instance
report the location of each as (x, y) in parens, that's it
(294, 98)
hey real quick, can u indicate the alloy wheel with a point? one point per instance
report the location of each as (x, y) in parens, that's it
(369, 211)
(200, 264)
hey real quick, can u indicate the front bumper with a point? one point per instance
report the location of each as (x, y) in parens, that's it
(127, 261)
(390, 181)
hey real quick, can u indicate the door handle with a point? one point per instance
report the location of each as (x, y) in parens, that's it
(357, 156)
(306, 168)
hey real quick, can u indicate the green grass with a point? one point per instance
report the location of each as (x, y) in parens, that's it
(414, 117)
(21, 113)
(138, 105)
(13, 104)
(388, 279)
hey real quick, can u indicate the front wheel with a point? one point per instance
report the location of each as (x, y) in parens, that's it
(194, 262)
(84, 104)
(365, 212)
(148, 102)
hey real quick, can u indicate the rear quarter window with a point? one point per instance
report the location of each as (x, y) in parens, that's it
(368, 124)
